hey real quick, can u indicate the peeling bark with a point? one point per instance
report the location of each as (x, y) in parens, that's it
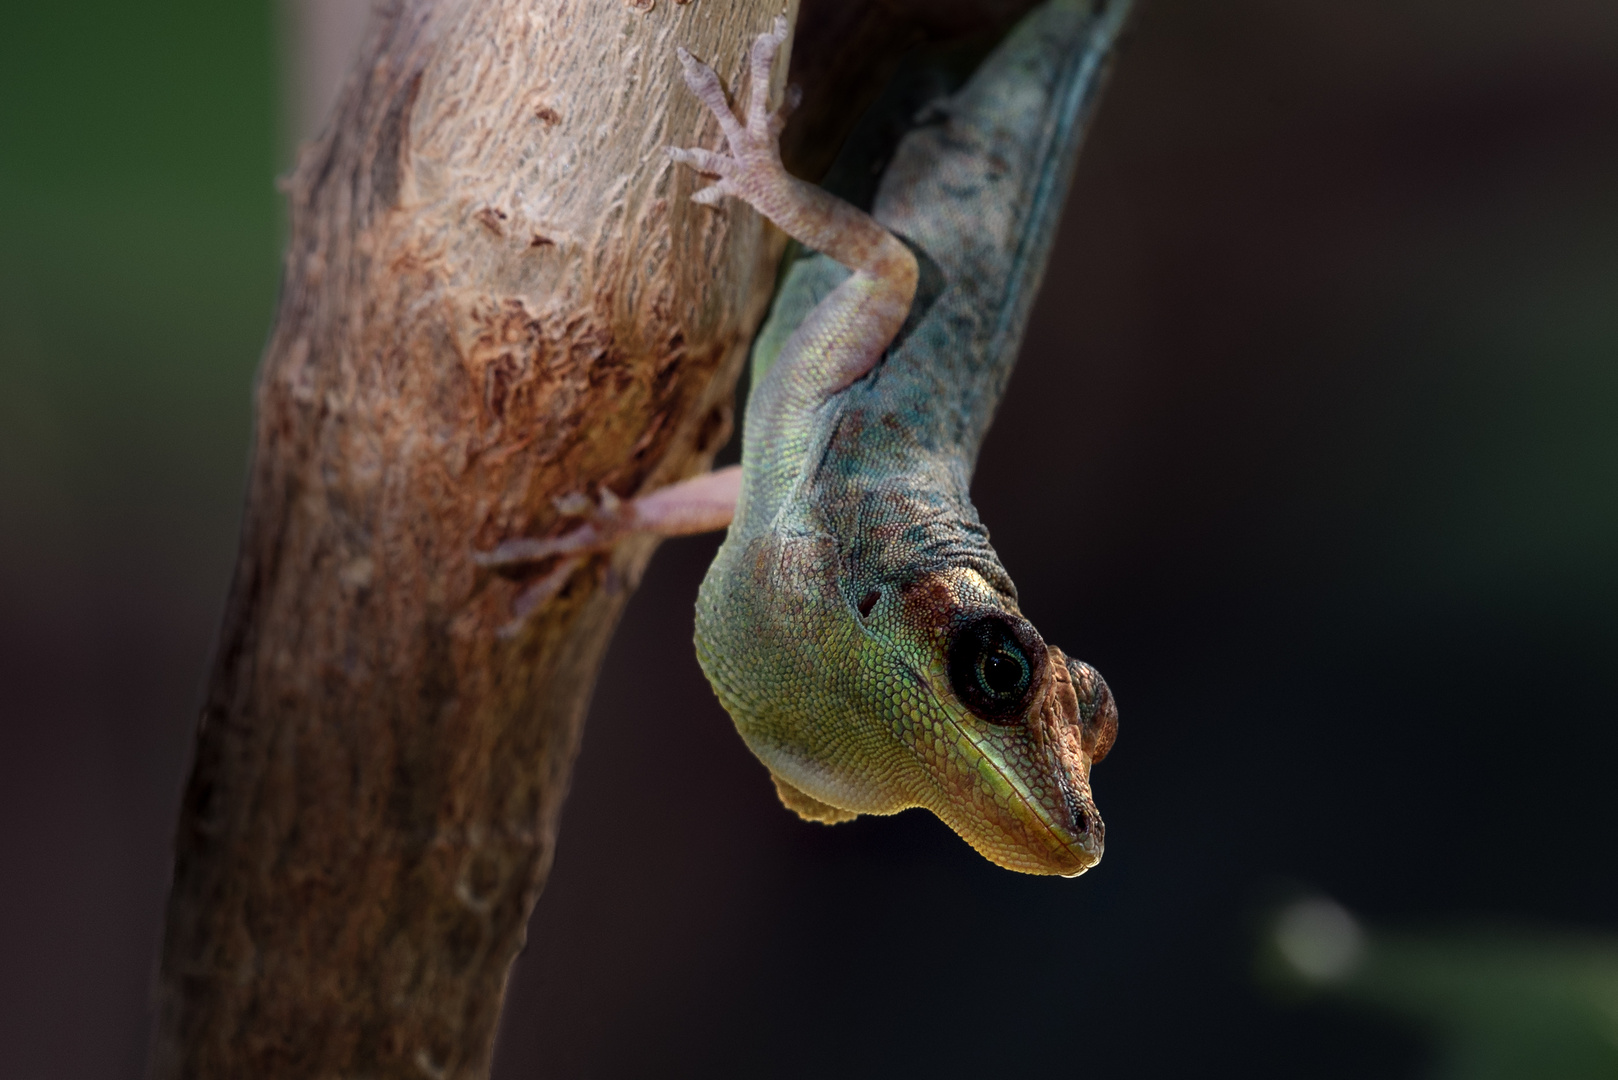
(496, 293)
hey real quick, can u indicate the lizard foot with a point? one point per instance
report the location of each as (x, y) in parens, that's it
(608, 520)
(752, 171)
(701, 504)
(569, 550)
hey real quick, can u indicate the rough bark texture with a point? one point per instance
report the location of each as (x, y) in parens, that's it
(496, 293)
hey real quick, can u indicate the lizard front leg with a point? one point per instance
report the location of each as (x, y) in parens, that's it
(846, 334)
(698, 505)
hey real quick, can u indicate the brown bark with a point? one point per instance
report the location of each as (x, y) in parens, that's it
(496, 293)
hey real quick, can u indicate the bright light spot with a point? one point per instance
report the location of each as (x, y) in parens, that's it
(1320, 939)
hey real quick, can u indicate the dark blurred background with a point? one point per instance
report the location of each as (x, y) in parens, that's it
(1312, 452)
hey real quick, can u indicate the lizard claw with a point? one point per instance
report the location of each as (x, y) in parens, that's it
(713, 195)
(765, 49)
(705, 84)
(789, 104)
(535, 595)
(704, 161)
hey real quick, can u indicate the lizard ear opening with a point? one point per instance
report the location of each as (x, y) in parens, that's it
(868, 601)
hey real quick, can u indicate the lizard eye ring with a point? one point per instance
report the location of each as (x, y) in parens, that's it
(991, 666)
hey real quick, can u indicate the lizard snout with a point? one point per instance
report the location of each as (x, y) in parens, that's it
(1077, 723)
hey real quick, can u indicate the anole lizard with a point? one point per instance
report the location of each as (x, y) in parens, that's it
(856, 624)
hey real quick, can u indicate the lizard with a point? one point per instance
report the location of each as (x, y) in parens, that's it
(855, 623)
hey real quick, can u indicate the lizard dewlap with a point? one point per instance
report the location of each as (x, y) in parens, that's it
(856, 624)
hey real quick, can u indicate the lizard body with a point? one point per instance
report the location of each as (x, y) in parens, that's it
(847, 619)
(856, 624)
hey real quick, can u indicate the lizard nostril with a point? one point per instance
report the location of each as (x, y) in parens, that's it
(1081, 821)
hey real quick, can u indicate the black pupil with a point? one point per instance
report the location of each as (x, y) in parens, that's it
(1002, 673)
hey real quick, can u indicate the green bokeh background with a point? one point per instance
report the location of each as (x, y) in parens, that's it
(139, 253)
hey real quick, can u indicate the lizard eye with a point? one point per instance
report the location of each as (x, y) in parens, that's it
(989, 668)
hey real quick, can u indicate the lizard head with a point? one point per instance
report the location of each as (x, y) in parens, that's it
(1005, 726)
(919, 688)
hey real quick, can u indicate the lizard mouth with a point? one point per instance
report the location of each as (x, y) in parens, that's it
(1078, 836)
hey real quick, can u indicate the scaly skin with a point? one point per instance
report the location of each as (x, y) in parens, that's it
(856, 623)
